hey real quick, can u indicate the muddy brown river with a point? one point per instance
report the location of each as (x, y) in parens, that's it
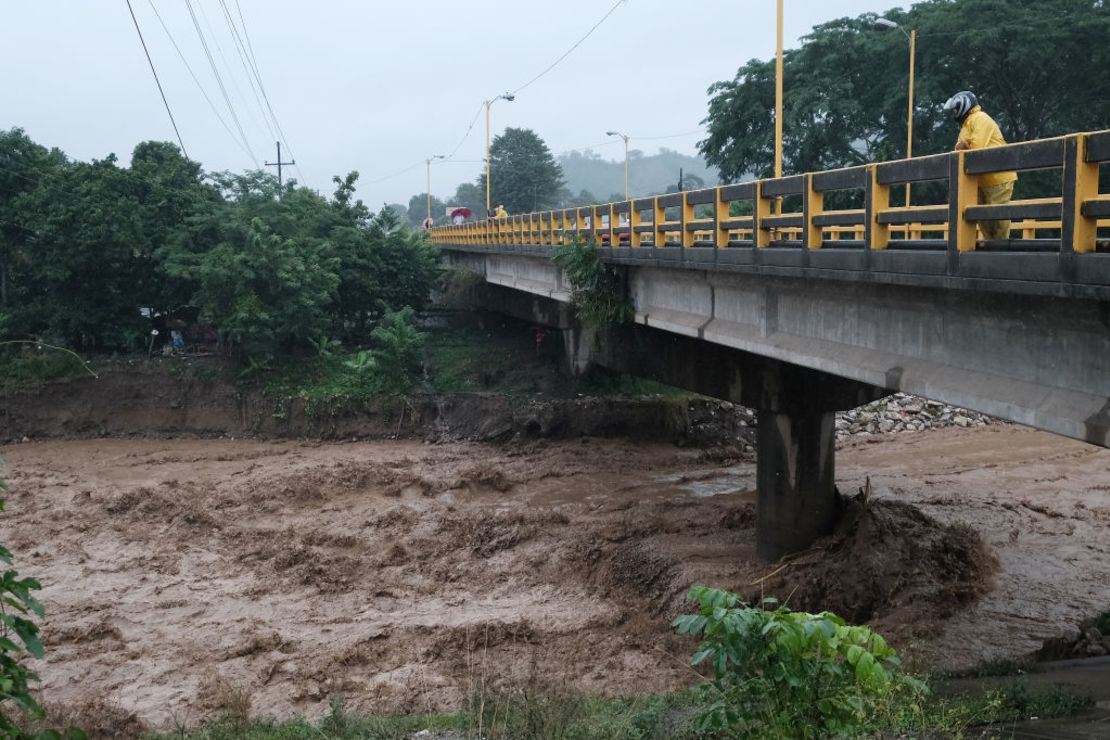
(180, 573)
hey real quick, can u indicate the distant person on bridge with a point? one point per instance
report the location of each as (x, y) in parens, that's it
(500, 212)
(978, 131)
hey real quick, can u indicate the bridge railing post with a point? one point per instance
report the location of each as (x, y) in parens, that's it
(635, 221)
(658, 216)
(686, 217)
(623, 211)
(579, 223)
(1079, 230)
(761, 237)
(720, 219)
(876, 201)
(962, 194)
(813, 203)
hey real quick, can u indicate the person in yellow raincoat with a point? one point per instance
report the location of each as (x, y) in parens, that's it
(978, 131)
(500, 212)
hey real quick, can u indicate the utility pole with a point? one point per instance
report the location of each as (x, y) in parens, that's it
(508, 97)
(627, 191)
(428, 222)
(279, 164)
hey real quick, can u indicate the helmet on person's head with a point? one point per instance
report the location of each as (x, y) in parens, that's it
(960, 104)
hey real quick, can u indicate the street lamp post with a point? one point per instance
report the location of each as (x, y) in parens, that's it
(778, 95)
(911, 36)
(627, 191)
(428, 162)
(509, 97)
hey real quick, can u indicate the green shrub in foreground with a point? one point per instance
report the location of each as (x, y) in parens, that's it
(780, 673)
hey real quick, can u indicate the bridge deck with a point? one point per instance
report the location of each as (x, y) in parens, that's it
(781, 225)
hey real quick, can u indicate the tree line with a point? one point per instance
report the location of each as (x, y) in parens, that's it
(84, 246)
(1041, 68)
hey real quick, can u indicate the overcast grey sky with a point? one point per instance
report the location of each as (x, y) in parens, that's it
(377, 87)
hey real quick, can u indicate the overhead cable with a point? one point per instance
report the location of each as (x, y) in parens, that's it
(192, 74)
(215, 41)
(156, 80)
(248, 70)
(567, 53)
(398, 173)
(467, 134)
(700, 130)
(220, 82)
(249, 51)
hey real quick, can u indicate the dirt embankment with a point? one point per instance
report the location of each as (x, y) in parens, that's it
(194, 402)
(184, 575)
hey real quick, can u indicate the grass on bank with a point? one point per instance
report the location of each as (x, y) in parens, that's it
(490, 716)
(551, 716)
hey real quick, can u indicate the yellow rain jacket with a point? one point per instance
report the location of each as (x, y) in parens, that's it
(980, 131)
(500, 212)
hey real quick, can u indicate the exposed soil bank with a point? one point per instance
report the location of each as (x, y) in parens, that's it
(194, 402)
(183, 574)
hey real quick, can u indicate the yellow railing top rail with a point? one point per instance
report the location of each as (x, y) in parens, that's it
(1077, 213)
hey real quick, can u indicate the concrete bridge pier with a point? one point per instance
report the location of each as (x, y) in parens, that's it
(796, 500)
(795, 480)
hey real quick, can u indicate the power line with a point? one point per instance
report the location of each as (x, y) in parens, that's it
(156, 80)
(240, 50)
(220, 82)
(215, 39)
(249, 48)
(467, 134)
(572, 48)
(398, 173)
(700, 130)
(550, 67)
(246, 34)
(192, 74)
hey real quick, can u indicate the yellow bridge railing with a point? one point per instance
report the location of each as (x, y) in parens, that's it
(790, 211)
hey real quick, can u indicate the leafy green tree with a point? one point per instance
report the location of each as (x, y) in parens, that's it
(1039, 67)
(89, 256)
(24, 168)
(525, 175)
(84, 245)
(398, 350)
(265, 291)
(402, 263)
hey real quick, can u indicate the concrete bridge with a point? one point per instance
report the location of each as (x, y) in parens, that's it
(800, 313)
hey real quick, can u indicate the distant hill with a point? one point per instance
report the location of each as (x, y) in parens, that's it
(651, 174)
